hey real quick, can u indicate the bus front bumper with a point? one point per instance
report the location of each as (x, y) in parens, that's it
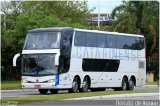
(39, 85)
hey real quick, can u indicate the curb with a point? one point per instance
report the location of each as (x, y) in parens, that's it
(151, 85)
(116, 96)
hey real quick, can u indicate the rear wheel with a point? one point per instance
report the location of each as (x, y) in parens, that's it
(43, 91)
(131, 84)
(75, 86)
(54, 91)
(124, 84)
(85, 85)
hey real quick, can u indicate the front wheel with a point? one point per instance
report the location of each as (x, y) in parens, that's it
(54, 91)
(43, 91)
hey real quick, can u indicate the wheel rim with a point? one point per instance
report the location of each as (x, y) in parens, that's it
(131, 84)
(75, 86)
(85, 86)
(124, 85)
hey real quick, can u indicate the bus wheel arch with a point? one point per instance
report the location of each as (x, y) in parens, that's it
(85, 84)
(75, 84)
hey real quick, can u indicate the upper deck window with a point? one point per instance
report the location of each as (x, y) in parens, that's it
(42, 40)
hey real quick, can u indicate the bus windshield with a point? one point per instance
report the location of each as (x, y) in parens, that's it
(42, 40)
(38, 64)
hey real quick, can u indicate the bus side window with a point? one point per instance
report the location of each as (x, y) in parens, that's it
(79, 39)
(112, 41)
(121, 42)
(101, 40)
(131, 41)
(66, 51)
(139, 43)
(67, 42)
(91, 40)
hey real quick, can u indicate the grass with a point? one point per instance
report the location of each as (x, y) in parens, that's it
(40, 98)
(8, 85)
(152, 83)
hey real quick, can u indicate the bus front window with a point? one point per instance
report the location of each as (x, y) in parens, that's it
(42, 40)
(42, 63)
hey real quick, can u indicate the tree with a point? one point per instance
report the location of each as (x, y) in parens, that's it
(21, 16)
(141, 17)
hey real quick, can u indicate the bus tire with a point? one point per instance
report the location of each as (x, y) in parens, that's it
(85, 85)
(130, 85)
(75, 86)
(54, 91)
(43, 91)
(124, 84)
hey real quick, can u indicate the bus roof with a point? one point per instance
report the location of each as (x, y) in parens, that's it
(50, 29)
(106, 32)
(85, 30)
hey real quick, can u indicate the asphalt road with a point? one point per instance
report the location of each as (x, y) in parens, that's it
(143, 99)
(29, 92)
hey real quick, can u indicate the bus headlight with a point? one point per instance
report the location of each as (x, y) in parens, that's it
(52, 80)
(24, 81)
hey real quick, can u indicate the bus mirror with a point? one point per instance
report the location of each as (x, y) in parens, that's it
(15, 59)
(57, 59)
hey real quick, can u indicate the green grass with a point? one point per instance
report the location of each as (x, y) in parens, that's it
(8, 85)
(40, 98)
(152, 83)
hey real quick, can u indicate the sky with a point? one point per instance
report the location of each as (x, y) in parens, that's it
(105, 6)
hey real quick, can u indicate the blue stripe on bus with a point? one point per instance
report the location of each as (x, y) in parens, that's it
(57, 79)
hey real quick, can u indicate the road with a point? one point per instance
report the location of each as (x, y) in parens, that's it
(17, 93)
(143, 99)
(106, 100)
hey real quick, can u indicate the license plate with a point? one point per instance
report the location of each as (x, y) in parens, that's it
(37, 86)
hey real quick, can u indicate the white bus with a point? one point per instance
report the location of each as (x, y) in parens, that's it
(78, 60)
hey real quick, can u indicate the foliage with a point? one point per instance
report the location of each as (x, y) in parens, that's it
(8, 85)
(21, 16)
(140, 17)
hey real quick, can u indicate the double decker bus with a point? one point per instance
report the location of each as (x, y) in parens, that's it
(78, 60)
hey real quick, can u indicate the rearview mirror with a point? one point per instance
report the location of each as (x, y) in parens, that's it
(57, 59)
(15, 59)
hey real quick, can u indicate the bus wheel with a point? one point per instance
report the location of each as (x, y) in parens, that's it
(43, 91)
(124, 84)
(85, 85)
(130, 85)
(75, 86)
(54, 91)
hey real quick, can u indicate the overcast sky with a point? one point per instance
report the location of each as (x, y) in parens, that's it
(106, 6)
